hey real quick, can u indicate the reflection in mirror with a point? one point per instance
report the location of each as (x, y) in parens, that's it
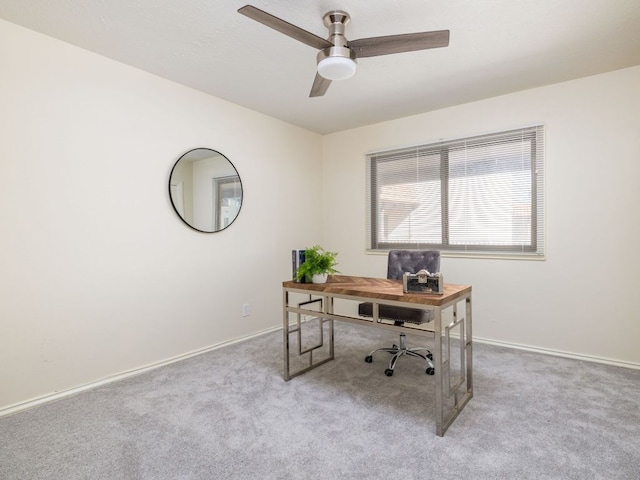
(205, 190)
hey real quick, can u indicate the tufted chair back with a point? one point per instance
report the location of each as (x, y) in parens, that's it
(412, 261)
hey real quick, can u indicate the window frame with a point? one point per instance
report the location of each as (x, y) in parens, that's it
(535, 249)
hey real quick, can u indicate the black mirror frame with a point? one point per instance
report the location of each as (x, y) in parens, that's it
(174, 205)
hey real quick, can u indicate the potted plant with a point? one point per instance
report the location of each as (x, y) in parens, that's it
(318, 264)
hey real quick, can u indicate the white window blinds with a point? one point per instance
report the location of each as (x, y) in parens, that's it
(478, 194)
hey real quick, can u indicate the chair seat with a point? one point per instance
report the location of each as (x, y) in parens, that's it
(397, 314)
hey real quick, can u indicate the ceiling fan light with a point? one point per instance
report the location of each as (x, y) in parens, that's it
(336, 68)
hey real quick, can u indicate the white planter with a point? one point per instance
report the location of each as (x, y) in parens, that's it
(319, 278)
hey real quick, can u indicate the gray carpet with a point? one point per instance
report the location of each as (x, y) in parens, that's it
(228, 414)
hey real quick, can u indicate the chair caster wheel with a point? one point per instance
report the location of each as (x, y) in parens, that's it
(430, 371)
(430, 356)
(368, 359)
(388, 372)
(394, 346)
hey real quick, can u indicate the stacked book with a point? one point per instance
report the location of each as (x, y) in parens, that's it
(297, 259)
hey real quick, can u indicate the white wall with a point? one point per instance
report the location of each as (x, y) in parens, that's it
(98, 276)
(581, 300)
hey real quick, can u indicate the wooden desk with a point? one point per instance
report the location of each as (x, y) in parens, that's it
(453, 390)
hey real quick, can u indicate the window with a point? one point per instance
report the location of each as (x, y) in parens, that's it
(477, 195)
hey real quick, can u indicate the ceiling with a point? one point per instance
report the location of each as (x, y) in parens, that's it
(496, 47)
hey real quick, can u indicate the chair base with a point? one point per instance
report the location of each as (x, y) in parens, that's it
(398, 351)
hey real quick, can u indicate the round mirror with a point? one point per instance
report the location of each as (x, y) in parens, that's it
(205, 190)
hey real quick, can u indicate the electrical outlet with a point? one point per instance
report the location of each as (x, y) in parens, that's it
(246, 310)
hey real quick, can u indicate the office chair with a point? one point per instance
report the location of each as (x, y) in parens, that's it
(401, 261)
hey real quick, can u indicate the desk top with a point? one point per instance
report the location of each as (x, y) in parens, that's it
(380, 288)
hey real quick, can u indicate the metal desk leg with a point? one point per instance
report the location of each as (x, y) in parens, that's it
(439, 364)
(328, 308)
(469, 347)
(285, 330)
(453, 392)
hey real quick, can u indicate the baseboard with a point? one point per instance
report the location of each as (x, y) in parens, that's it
(560, 353)
(11, 409)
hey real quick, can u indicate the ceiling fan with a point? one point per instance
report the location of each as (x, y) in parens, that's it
(337, 56)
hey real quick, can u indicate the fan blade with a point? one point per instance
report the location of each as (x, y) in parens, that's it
(320, 86)
(408, 42)
(284, 27)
